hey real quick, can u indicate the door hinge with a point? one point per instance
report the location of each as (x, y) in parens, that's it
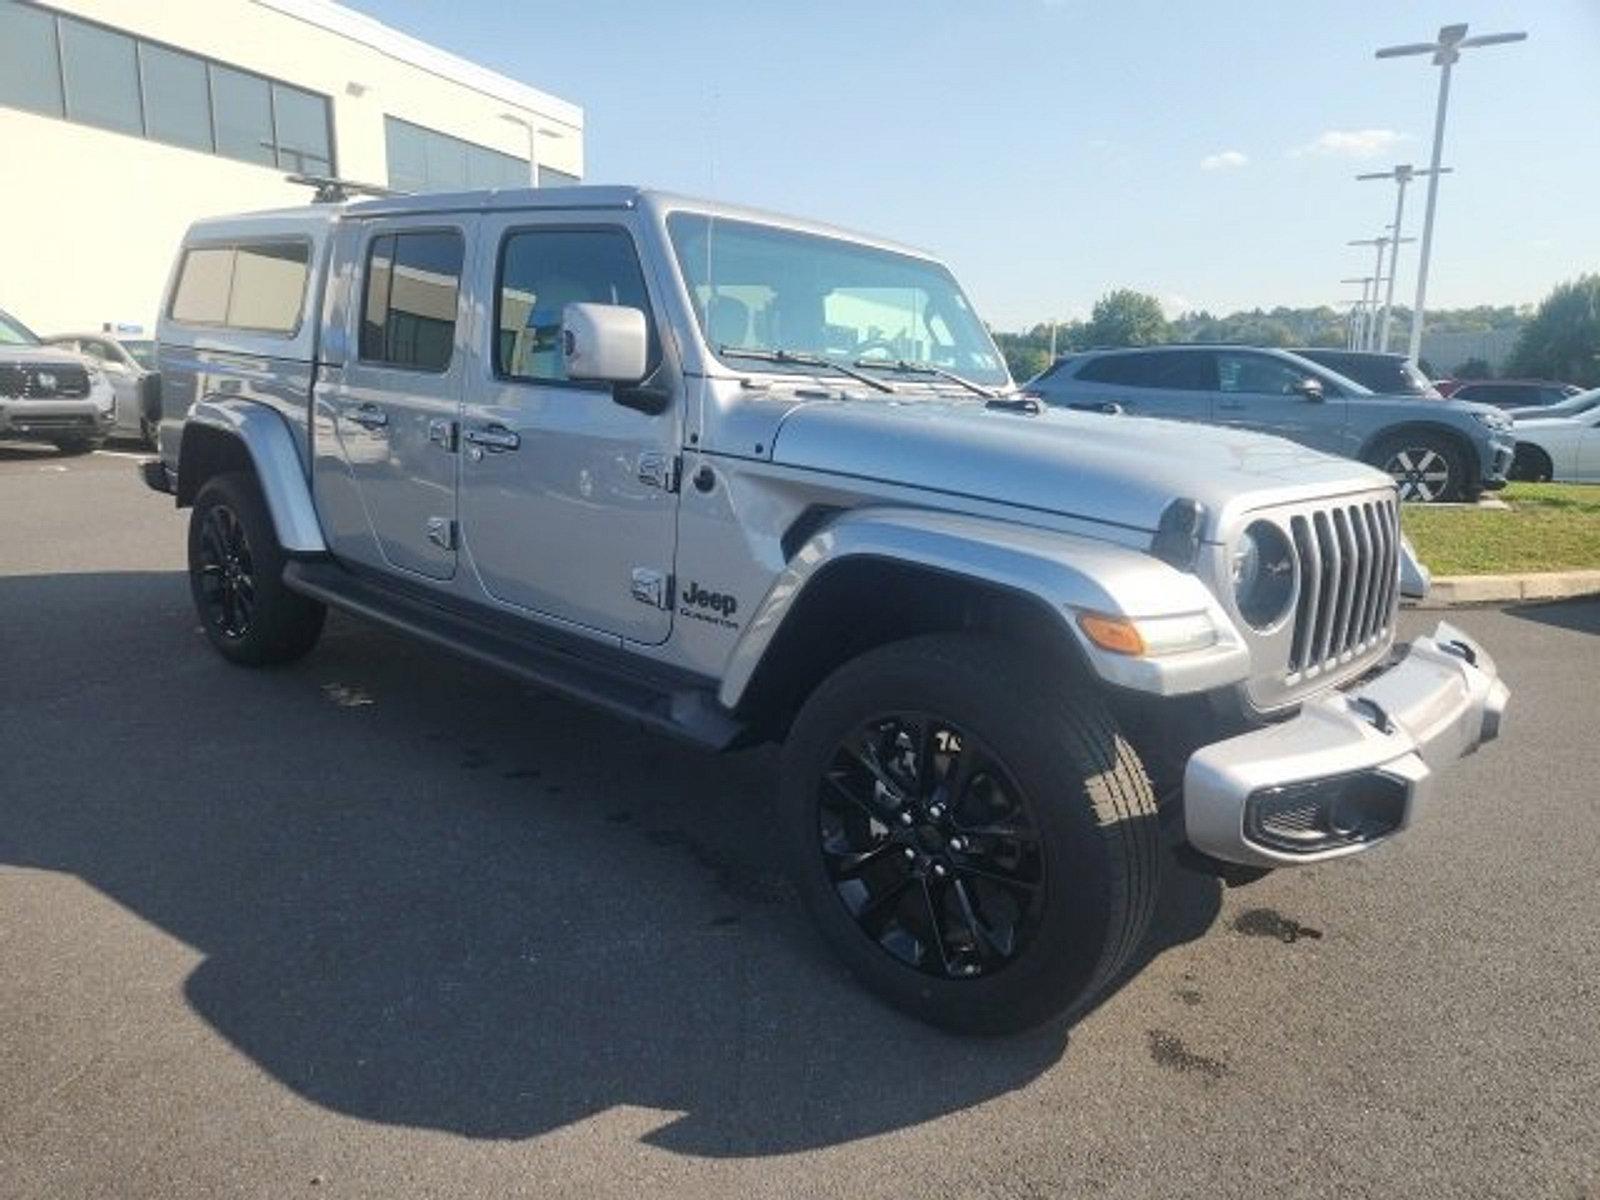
(442, 433)
(660, 470)
(442, 532)
(652, 587)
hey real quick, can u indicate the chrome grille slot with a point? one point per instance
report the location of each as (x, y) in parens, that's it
(1348, 557)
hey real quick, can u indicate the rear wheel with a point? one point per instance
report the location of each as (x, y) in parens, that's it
(1426, 467)
(236, 578)
(75, 446)
(149, 433)
(976, 842)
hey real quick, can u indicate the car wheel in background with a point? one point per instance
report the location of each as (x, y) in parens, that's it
(75, 445)
(1531, 464)
(1425, 467)
(149, 433)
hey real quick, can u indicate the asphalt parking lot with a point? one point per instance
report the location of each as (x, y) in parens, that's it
(385, 924)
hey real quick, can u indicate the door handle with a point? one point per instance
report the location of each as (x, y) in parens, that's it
(368, 416)
(494, 437)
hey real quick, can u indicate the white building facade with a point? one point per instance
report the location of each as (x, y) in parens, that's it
(121, 121)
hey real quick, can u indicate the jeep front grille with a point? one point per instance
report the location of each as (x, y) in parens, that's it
(43, 381)
(1349, 559)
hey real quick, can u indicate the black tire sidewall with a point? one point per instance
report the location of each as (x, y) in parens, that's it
(1011, 709)
(284, 625)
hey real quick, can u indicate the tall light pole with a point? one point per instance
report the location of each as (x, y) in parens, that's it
(1402, 175)
(1358, 332)
(535, 132)
(1370, 339)
(1452, 41)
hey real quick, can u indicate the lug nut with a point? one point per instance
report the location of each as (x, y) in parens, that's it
(936, 812)
(938, 869)
(910, 854)
(958, 844)
(905, 818)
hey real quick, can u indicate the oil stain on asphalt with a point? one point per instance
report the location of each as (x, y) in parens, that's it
(1265, 922)
(1170, 1052)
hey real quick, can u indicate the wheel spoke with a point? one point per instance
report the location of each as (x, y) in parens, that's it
(931, 913)
(1003, 879)
(847, 864)
(982, 935)
(874, 916)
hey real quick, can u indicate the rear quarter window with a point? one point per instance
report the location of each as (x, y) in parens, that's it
(253, 286)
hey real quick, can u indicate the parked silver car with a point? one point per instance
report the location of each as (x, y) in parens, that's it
(1433, 449)
(737, 477)
(130, 365)
(50, 394)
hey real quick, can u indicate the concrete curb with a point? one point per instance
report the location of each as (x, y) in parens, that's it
(1452, 591)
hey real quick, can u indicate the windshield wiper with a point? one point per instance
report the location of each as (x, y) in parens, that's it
(789, 358)
(903, 367)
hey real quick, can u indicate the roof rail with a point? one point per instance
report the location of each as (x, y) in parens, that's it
(333, 190)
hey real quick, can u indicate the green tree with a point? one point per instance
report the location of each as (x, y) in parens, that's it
(1562, 339)
(1126, 318)
(1473, 368)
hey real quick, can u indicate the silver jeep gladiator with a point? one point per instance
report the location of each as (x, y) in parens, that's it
(740, 477)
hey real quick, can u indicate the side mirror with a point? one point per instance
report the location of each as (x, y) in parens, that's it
(1311, 389)
(608, 343)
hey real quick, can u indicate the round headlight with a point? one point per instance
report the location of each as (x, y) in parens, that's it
(1262, 568)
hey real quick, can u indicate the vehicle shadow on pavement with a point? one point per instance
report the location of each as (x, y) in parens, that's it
(430, 896)
(1580, 616)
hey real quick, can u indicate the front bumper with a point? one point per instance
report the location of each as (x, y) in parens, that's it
(49, 420)
(1351, 768)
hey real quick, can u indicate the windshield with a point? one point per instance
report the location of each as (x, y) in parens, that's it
(14, 333)
(1574, 406)
(143, 351)
(759, 287)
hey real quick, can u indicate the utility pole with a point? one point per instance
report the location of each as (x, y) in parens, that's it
(1402, 175)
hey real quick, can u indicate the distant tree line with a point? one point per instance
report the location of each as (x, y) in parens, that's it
(1125, 317)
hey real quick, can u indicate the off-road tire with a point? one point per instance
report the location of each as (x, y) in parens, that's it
(281, 625)
(1087, 794)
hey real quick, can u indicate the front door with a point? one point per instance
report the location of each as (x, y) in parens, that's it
(568, 497)
(1258, 391)
(385, 470)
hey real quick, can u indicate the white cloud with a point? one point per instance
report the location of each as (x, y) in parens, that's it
(1352, 143)
(1228, 160)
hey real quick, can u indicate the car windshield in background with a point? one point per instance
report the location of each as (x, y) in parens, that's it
(15, 333)
(1573, 406)
(762, 288)
(144, 353)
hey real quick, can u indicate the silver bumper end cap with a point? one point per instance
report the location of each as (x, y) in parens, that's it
(1373, 750)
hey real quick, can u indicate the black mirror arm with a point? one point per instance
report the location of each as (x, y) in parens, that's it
(649, 396)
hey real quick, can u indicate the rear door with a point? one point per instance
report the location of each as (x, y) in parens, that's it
(385, 466)
(568, 497)
(1257, 391)
(1153, 383)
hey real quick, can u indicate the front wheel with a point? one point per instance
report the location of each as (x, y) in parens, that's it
(1425, 467)
(236, 578)
(969, 831)
(73, 447)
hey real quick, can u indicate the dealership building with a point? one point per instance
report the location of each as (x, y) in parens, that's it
(122, 121)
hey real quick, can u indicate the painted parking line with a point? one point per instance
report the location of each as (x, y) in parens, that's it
(136, 455)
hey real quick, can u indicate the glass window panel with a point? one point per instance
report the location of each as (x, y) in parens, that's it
(543, 271)
(102, 77)
(177, 102)
(410, 313)
(244, 115)
(408, 160)
(375, 312)
(550, 177)
(269, 284)
(29, 74)
(302, 120)
(1256, 374)
(447, 163)
(201, 297)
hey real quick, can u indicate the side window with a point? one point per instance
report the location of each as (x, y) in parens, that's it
(544, 270)
(1257, 374)
(201, 297)
(1124, 369)
(408, 316)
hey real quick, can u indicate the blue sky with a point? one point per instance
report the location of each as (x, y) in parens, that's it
(1053, 149)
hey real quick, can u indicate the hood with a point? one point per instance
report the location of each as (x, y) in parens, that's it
(42, 355)
(1107, 468)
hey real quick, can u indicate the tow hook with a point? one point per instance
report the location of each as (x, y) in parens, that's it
(1373, 712)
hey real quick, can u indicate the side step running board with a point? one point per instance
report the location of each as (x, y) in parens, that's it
(686, 712)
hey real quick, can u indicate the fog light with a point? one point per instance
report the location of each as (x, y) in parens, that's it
(1323, 814)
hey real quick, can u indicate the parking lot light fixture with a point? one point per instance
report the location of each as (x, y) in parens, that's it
(1358, 330)
(1446, 51)
(1370, 339)
(1402, 174)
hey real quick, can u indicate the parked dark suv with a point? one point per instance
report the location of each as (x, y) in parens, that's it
(1509, 393)
(1386, 374)
(1434, 449)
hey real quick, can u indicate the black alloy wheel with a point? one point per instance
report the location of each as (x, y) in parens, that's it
(931, 846)
(226, 573)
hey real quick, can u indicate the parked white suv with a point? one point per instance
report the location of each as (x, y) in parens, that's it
(51, 395)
